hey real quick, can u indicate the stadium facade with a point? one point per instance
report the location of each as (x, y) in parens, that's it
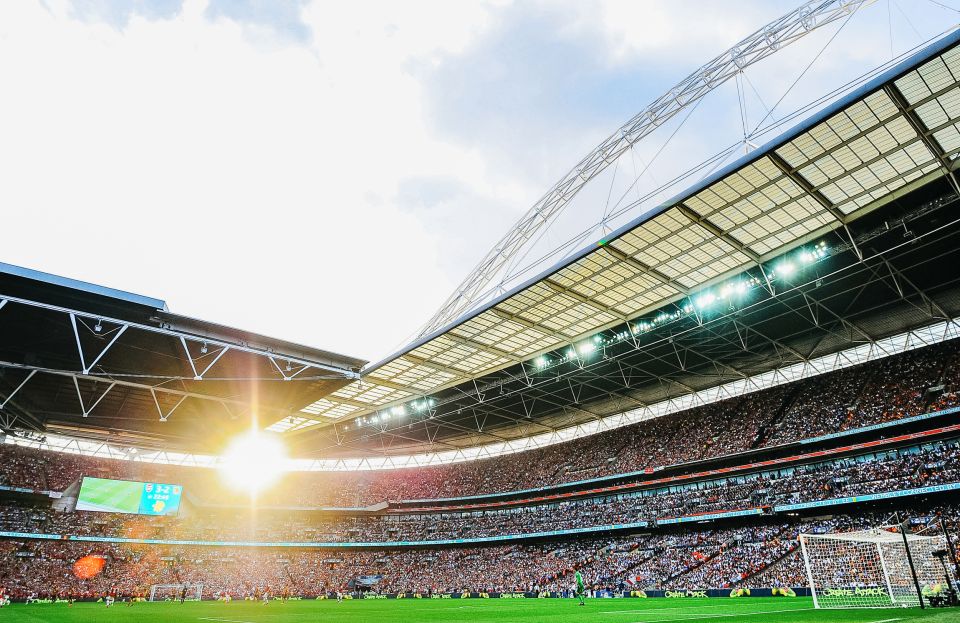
(772, 352)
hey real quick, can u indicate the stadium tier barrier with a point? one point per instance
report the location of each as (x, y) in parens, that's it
(645, 473)
(900, 390)
(685, 563)
(908, 472)
(592, 530)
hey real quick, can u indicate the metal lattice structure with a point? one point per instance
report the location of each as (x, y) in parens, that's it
(761, 44)
(99, 363)
(822, 181)
(870, 177)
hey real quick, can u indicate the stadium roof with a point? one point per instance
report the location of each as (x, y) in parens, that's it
(887, 138)
(94, 362)
(864, 192)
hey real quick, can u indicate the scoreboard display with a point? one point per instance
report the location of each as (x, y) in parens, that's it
(126, 496)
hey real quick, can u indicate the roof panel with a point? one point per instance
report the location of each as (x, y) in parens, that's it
(852, 155)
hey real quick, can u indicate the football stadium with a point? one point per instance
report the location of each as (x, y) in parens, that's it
(739, 399)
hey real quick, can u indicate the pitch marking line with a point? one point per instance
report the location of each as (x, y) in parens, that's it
(886, 621)
(717, 616)
(219, 620)
(688, 609)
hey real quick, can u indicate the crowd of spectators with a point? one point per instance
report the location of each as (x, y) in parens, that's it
(763, 553)
(896, 470)
(888, 389)
(760, 555)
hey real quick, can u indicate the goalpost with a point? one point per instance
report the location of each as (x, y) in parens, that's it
(164, 592)
(878, 568)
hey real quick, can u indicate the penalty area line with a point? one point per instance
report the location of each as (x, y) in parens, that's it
(698, 617)
(689, 609)
(219, 620)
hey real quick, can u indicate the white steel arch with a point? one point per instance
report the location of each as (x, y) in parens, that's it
(782, 32)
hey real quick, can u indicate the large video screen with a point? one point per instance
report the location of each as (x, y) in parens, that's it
(125, 496)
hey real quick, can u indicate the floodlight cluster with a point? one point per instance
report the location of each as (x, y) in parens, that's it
(398, 412)
(735, 291)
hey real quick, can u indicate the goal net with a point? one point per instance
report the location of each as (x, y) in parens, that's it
(872, 568)
(173, 592)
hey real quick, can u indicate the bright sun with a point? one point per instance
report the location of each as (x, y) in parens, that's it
(253, 461)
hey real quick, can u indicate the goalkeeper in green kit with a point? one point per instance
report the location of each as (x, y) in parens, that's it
(580, 588)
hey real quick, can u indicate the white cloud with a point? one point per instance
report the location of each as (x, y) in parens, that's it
(179, 159)
(328, 174)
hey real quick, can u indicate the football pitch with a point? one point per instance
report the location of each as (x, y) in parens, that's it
(110, 496)
(748, 610)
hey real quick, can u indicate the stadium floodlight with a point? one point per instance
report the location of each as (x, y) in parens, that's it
(253, 461)
(540, 362)
(586, 348)
(785, 268)
(706, 300)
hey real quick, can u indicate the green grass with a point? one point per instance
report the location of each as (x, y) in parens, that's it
(747, 610)
(117, 496)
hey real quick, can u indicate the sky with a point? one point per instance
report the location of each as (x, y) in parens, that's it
(328, 172)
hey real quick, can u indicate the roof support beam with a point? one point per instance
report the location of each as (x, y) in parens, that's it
(383, 383)
(121, 383)
(76, 334)
(935, 311)
(198, 376)
(561, 289)
(535, 326)
(816, 195)
(466, 341)
(163, 329)
(814, 303)
(807, 187)
(423, 361)
(17, 389)
(620, 256)
(86, 411)
(716, 232)
(910, 114)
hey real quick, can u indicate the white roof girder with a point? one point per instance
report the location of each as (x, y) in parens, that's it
(850, 161)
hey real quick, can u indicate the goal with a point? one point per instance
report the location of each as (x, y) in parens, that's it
(877, 568)
(164, 592)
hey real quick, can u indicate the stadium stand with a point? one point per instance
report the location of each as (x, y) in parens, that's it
(742, 531)
(937, 463)
(755, 551)
(908, 384)
(759, 555)
(711, 497)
